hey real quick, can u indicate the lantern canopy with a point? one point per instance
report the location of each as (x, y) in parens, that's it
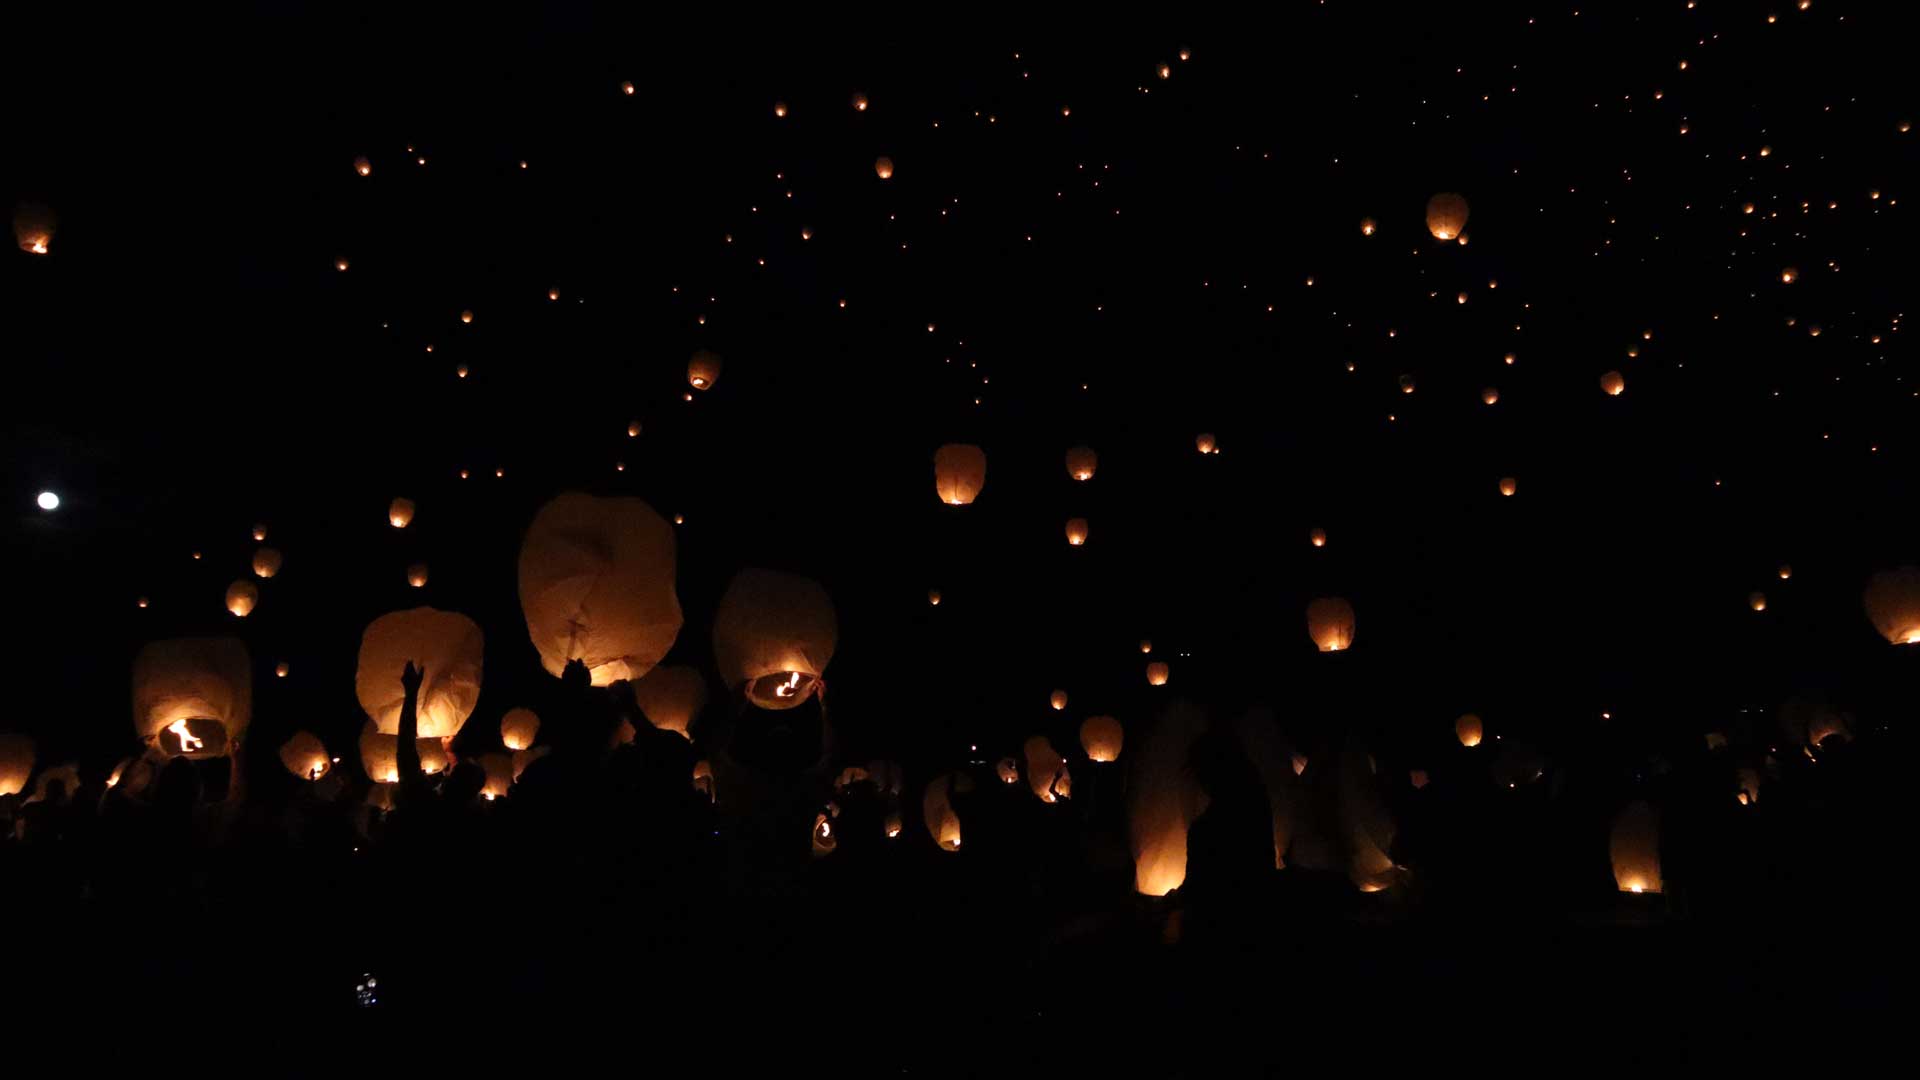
(703, 370)
(1446, 215)
(774, 635)
(16, 762)
(1892, 601)
(671, 697)
(1469, 730)
(1081, 462)
(1330, 623)
(1635, 847)
(193, 697)
(1163, 799)
(959, 472)
(400, 513)
(305, 756)
(1101, 737)
(518, 728)
(597, 585)
(447, 648)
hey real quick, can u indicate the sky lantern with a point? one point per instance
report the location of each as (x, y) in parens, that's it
(1076, 531)
(553, 294)
(703, 778)
(1081, 461)
(627, 88)
(671, 697)
(1508, 485)
(242, 596)
(773, 636)
(1635, 847)
(362, 166)
(266, 562)
(192, 697)
(400, 513)
(1406, 384)
(1046, 769)
(16, 762)
(446, 646)
(1330, 623)
(1057, 699)
(1446, 215)
(1157, 673)
(1205, 443)
(703, 369)
(959, 472)
(434, 758)
(1368, 823)
(1469, 730)
(933, 597)
(1366, 226)
(417, 575)
(1008, 770)
(1317, 537)
(341, 264)
(1785, 571)
(1757, 600)
(518, 728)
(1892, 600)
(1146, 645)
(597, 585)
(1102, 737)
(466, 316)
(859, 103)
(281, 669)
(33, 228)
(1789, 276)
(883, 167)
(780, 109)
(1489, 396)
(1612, 383)
(936, 809)
(1163, 799)
(824, 839)
(499, 768)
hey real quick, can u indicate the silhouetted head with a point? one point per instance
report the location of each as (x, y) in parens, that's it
(1220, 764)
(464, 782)
(178, 787)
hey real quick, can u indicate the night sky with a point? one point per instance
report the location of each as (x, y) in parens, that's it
(1120, 237)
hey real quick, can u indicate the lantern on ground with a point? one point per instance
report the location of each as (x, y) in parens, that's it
(518, 728)
(1101, 737)
(1469, 730)
(1635, 847)
(1057, 699)
(445, 646)
(1157, 672)
(1163, 799)
(883, 168)
(266, 562)
(1076, 531)
(400, 513)
(703, 370)
(305, 756)
(1612, 383)
(959, 472)
(1446, 215)
(1330, 623)
(936, 809)
(773, 636)
(241, 598)
(597, 585)
(1081, 461)
(671, 697)
(192, 697)
(16, 762)
(1892, 600)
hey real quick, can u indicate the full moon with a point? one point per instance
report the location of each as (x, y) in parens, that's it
(48, 501)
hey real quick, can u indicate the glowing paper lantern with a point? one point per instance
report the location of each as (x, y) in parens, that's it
(1367, 823)
(1157, 673)
(1318, 537)
(1076, 531)
(446, 646)
(1508, 485)
(703, 778)
(1892, 600)
(883, 168)
(499, 769)
(266, 562)
(417, 575)
(1757, 601)
(1163, 800)
(524, 758)
(1008, 770)
(400, 513)
(1330, 623)
(305, 756)
(1046, 769)
(1612, 383)
(1081, 461)
(774, 635)
(959, 472)
(1469, 730)
(936, 809)
(16, 763)
(703, 370)
(1146, 646)
(1057, 699)
(1406, 384)
(518, 728)
(1205, 443)
(241, 598)
(33, 228)
(192, 697)
(597, 585)
(1635, 847)
(1101, 737)
(1446, 215)
(824, 841)
(933, 597)
(1489, 396)
(671, 697)
(363, 166)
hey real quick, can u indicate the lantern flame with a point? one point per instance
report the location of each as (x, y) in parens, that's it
(188, 743)
(788, 688)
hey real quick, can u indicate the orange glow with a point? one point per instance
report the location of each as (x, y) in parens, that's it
(1366, 226)
(1077, 531)
(400, 513)
(1205, 443)
(780, 108)
(1146, 646)
(859, 103)
(363, 166)
(1757, 601)
(1508, 485)
(1157, 673)
(883, 168)
(340, 265)
(1058, 699)
(1331, 624)
(1318, 538)
(1612, 383)
(188, 742)
(1489, 396)
(1469, 730)
(933, 597)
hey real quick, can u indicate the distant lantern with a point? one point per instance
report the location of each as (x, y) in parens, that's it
(1046, 769)
(363, 166)
(959, 472)
(773, 636)
(1462, 298)
(1489, 396)
(1406, 384)
(434, 758)
(626, 88)
(1330, 623)
(1418, 778)
(1635, 847)
(1508, 485)
(1146, 645)
(266, 562)
(340, 264)
(518, 728)
(1076, 531)
(883, 167)
(703, 370)
(1789, 276)
(1204, 442)
(859, 103)
(241, 597)
(597, 585)
(1893, 604)
(1446, 215)
(1081, 461)
(466, 316)
(499, 768)
(671, 698)
(417, 575)
(1101, 737)
(1165, 70)
(192, 697)
(933, 597)
(633, 429)
(1757, 600)
(1612, 383)
(780, 108)
(33, 228)
(1008, 770)
(936, 808)
(1366, 226)
(1157, 673)
(703, 778)
(1785, 571)
(553, 294)
(16, 763)
(1057, 699)
(1317, 537)
(445, 646)
(282, 669)
(1299, 763)
(1163, 799)
(259, 531)
(1469, 730)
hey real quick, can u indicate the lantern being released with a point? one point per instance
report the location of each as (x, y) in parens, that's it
(1081, 461)
(16, 763)
(774, 635)
(499, 769)
(703, 370)
(1892, 600)
(193, 697)
(400, 513)
(241, 598)
(959, 472)
(671, 697)
(447, 648)
(518, 728)
(1330, 623)
(1635, 847)
(597, 585)
(1101, 737)
(1046, 769)
(1446, 215)
(305, 756)
(1163, 799)
(1469, 730)
(936, 809)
